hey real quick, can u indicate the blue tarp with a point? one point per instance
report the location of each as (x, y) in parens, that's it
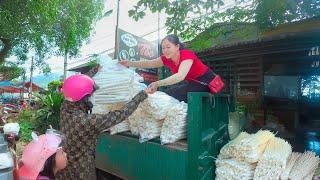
(6, 83)
(9, 84)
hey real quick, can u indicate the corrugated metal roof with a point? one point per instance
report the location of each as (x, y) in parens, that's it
(263, 47)
(270, 36)
(79, 63)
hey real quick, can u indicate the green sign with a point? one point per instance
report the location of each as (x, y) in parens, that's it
(134, 48)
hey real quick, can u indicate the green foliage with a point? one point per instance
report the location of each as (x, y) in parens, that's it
(76, 24)
(54, 86)
(48, 27)
(271, 13)
(26, 120)
(49, 113)
(93, 62)
(10, 71)
(223, 34)
(241, 109)
(46, 69)
(266, 14)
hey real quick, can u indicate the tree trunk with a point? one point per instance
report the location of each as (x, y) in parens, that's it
(5, 50)
(31, 74)
(65, 65)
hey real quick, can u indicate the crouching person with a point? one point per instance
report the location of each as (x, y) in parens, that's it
(42, 158)
(81, 128)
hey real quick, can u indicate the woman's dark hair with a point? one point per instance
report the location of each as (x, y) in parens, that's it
(174, 39)
(49, 166)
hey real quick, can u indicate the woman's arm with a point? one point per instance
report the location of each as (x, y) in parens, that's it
(178, 77)
(175, 78)
(101, 122)
(155, 63)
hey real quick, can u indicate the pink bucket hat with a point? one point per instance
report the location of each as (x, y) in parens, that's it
(35, 155)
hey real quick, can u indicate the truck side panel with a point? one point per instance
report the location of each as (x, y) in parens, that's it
(207, 132)
(125, 157)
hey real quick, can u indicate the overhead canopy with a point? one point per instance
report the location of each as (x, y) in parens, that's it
(6, 83)
(35, 87)
(10, 87)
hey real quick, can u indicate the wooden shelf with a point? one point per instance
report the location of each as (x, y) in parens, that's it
(248, 68)
(248, 73)
(247, 62)
(247, 98)
(250, 85)
(247, 80)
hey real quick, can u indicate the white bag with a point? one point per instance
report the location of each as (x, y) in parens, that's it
(6, 160)
(155, 109)
(150, 128)
(159, 104)
(11, 128)
(117, 84)
(119, 128)
(234, 125)
(174, 127)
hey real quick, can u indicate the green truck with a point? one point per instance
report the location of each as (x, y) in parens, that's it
(193, 158)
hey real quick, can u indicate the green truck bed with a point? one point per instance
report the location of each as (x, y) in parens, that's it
(193, 158)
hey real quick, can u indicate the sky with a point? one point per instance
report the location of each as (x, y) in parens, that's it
(103, 38)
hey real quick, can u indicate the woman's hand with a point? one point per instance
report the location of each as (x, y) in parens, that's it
(152, 88)
(125, 63)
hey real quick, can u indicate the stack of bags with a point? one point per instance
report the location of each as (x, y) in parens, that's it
(230, 149)
(160, 115)
(292, 160)
(251, 148)
(233, 169)
(155, 109)
(238, 159)
(174, 127)
(263, 156)
(117, 83)
(301, 166)
(134, 121)
(274, 159)
(230, 165)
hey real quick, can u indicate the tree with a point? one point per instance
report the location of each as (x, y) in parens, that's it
(9, 71)
(47, 27)
(265, 14)
(25, 25)
(76, 25)
(271, 13)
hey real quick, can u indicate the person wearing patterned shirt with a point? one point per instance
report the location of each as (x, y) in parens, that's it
(81, 128)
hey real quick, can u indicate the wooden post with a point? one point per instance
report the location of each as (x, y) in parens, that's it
(116, 47)
(65, 65)
(31, 73)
